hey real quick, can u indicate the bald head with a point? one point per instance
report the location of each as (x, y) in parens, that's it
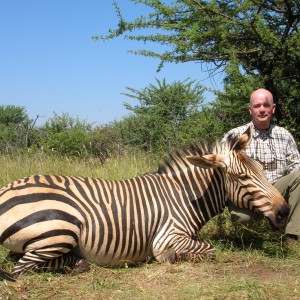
(261, 108)
(261, 94)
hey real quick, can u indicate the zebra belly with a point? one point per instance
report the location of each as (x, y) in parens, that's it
(114, 258)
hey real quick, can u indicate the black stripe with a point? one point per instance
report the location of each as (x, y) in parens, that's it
(123, 225)
(36, 197)
(37, 217)
(52, 233)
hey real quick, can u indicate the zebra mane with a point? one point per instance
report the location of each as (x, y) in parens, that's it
(178, 157)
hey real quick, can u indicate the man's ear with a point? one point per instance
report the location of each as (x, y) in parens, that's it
(249, 109)
(207, 161)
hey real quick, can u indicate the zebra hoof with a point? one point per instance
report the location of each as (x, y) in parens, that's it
(6, 276)
(14, 256)
(81, 266)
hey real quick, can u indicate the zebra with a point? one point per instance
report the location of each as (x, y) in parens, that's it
(56, 222)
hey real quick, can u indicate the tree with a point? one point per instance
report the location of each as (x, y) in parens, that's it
(163, 112)
(260, 39)
(16, 129)
(67, 135)
(231, 105)
(11, 114)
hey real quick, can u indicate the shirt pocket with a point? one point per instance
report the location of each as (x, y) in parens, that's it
(280, 164)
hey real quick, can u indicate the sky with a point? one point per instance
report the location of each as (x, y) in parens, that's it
(50, 63)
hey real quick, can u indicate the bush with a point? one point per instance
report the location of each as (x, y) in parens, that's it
(66, 135)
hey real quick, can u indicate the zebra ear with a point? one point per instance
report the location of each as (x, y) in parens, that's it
(244, 140)
(207, 161)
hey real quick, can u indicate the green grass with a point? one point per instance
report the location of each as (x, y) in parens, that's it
(134, 163)
(262, 267)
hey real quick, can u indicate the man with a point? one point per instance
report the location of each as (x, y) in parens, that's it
(275, 148)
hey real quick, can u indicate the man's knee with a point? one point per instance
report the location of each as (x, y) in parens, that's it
(288, 184)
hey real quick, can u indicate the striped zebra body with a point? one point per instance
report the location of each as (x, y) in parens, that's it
(59, 221)
(110, 222)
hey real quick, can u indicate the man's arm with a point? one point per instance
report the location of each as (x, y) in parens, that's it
(293, 156)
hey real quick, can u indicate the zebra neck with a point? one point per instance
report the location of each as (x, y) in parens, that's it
(210, 194)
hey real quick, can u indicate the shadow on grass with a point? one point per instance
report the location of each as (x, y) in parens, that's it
(260, 237)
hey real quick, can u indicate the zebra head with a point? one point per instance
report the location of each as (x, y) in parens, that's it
(245, 183)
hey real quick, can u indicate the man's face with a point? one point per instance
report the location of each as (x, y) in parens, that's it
(261, 110)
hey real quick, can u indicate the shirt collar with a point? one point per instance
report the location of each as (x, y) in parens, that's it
(257, 132)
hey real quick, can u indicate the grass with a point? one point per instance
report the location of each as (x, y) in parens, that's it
(134, 163)
(262, 267)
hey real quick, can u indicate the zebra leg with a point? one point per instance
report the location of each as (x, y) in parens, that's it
(196, 253)
(64, 263)
(33, 261)
(27, 261)
(195, 257)
(185, 249)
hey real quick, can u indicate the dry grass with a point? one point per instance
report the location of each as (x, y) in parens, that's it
(134, 163)
(231, 276)
(264, 268)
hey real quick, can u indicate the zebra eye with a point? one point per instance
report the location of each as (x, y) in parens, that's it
(244, 176)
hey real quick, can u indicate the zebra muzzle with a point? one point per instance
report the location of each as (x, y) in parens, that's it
(281, 216)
